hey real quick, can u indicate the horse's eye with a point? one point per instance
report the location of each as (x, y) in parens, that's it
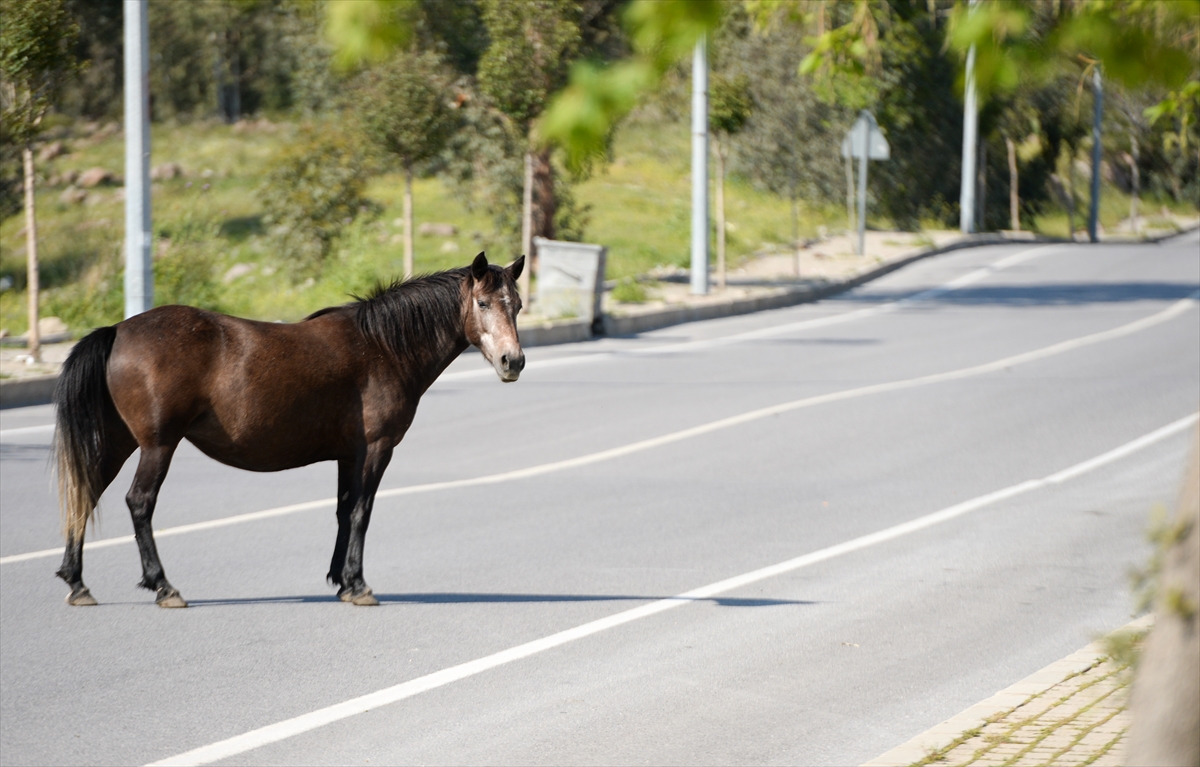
(483, 304)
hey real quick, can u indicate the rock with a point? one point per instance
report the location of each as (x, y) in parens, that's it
(72, 195)
(3, 332)
(51, 325)
(70, 176)
(167, 170)
(52, 150)
(437, 230)
(95, 177)
(237, 271)
(206, 173)
(449, 246)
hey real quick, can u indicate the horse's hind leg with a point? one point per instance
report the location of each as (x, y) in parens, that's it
(142, 496)
(119, 446)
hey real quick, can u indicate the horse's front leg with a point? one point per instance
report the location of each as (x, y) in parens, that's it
(354, 588)
(345, 503)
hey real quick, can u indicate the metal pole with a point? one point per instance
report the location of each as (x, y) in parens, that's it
(139, 277)
(862, 187)
(1097, 116)
(700, 169)
(966, 200)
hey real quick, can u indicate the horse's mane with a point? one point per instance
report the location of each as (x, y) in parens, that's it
(406, 317)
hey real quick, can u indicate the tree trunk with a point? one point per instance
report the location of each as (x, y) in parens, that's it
(981, 195)
(1071, 192)
(1165, 702)
(545, 202)
(35, 341)
(1014, 196)
(720, 201)
(408, 223)
(527, 228)
(1137, 184)
(796, 230)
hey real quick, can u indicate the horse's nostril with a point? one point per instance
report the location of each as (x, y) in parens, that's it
(504, 361)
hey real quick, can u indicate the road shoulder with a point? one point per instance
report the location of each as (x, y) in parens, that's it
(1071, 712)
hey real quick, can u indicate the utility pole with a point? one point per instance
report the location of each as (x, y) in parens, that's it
(1097, 116)
(966, 199)
(139, 275)
(700, 169)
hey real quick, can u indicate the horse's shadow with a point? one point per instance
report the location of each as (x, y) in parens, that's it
(447, 598)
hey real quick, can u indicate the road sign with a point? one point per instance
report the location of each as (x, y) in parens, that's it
(864, 142)
(877, 145)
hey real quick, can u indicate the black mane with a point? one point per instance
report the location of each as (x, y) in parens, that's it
(406, 317)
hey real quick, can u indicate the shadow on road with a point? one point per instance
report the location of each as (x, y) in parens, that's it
(448, 598)
(1063, 294)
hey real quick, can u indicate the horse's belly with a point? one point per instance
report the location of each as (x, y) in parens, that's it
(270, 447)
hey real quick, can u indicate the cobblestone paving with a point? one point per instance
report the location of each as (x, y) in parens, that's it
(1079, 721)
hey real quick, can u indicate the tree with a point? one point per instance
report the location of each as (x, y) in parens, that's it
(36, 38)
(313, 191)
(407, 112)
(789, 144)
(729, 107)
(532, 45)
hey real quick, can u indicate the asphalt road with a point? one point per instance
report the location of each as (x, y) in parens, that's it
(858, 414)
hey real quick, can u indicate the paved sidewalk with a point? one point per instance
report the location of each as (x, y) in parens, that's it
(1070, 713)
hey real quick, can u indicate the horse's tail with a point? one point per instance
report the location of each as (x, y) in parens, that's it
(80, 438)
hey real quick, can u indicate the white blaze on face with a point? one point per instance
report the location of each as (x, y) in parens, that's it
(497, 332)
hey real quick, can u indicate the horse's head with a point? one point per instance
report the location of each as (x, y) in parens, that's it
(491, 315)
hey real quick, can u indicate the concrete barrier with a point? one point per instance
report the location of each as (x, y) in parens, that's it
(23, 392)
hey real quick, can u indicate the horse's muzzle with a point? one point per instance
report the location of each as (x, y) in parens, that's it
(510, 366)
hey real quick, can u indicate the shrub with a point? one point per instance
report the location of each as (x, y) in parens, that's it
(315, 189)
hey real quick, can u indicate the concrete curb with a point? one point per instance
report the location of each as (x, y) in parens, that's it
(788, 296)
(35, 390)
(945, 733)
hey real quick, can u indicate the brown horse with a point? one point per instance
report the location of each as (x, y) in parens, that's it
(341, 385)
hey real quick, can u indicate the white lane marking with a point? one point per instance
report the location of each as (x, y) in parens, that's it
(46, 427)
(666, 439)
(298, 725)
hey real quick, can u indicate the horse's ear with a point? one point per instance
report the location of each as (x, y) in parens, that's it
(516, 266)
(479, 266)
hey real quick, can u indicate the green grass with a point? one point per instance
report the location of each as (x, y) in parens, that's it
(639, 209)
(641, 205)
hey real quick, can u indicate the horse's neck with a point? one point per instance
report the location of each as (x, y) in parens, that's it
(439, 358)
(439, 362)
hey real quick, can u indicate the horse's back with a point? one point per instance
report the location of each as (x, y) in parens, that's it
(253, 394)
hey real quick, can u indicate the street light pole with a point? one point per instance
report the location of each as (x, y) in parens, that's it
(966, 199)
(1097, 116)
(139, 277)
(700, 169)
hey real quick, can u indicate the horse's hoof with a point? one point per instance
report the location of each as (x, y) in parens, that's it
(171, 599)
(346, 595)
(81, 598)
(365, 599)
